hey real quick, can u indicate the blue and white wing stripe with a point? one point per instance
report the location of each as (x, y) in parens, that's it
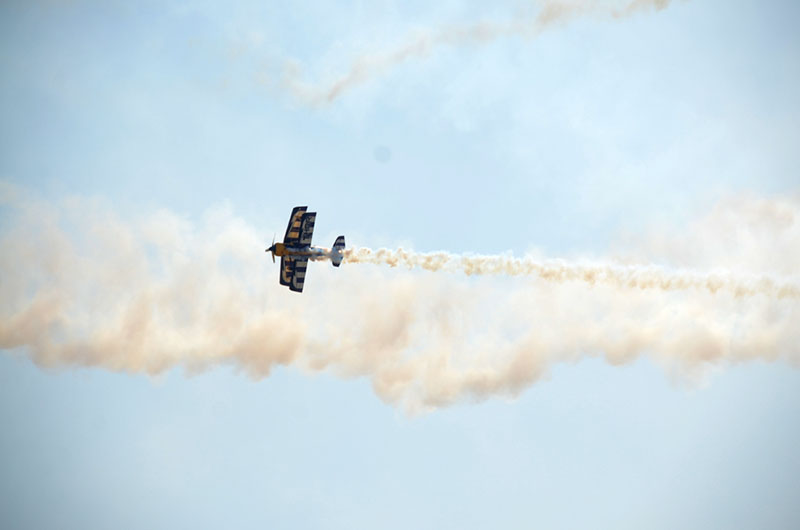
(299, 276)
(307, 227)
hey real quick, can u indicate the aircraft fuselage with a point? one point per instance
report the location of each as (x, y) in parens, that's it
(309, 252)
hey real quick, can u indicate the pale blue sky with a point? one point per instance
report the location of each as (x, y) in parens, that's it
(565, 143)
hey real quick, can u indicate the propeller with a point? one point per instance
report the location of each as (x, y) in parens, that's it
(272, 248)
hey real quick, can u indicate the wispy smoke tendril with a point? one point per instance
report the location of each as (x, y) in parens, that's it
(422, 43)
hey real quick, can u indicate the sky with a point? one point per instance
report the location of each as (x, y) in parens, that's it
(154, 374)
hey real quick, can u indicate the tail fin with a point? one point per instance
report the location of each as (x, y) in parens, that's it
(337, 252)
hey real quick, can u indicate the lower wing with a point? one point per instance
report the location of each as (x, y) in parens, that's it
(293, 272)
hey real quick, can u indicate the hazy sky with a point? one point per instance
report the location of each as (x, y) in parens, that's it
(664, 135)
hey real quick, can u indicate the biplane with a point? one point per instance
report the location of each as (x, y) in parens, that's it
(296, 250)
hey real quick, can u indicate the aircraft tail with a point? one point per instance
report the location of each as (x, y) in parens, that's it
(337, 252)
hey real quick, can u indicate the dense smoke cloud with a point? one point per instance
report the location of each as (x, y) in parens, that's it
(81, 285)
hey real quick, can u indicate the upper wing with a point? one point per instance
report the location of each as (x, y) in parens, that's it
(307, 227)
(292, 236)
(293, 272)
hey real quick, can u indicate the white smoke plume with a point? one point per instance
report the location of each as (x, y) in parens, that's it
(422, 43)
(620, 276)
(81, 285)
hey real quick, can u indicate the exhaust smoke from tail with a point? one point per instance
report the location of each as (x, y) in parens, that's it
(620, 276)
(81, 285)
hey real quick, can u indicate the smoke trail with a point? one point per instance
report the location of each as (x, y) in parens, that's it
(620, 276)
(422, 43)
(82, 286)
